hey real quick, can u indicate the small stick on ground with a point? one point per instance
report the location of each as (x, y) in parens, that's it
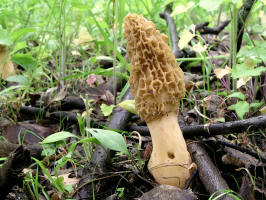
(208, 173)
(12, 167)
(6, 148)
(222, 141)
(204, 29)
(243, 14)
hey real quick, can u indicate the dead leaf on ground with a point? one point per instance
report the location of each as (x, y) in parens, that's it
(220, 72)
(27, 133)
(68, 180)
(6, 66)
(83, 38)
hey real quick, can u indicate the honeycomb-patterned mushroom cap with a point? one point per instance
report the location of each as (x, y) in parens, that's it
(156, 81)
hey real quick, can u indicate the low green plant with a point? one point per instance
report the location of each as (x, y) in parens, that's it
(231, 193)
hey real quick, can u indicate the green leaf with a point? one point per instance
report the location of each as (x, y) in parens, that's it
(256, 105)
(18, 34)
(238, 95)
(129, 105)
(257, 51)
(241, 70)
(58, 137)
(210, 5)
(221, 119)
(59, 181)
(107, 110)
(110, 139)
(25, 60)
(19, 46)
(18, 79)
(48, 149)
(9, 89)
(123, 92)
(80, 6)
(47, 173)
(241, 108)
(5, 39)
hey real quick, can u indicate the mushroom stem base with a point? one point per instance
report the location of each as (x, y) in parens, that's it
(170, 161)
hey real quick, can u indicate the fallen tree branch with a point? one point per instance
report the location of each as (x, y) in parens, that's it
(166, 15)
(6, 148)
(208, 173)
(204, 29)
(12, 167)
(208, 130)
(222, 141)
(241, 20)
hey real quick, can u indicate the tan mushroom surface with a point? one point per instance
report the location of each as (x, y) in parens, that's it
(157, 84)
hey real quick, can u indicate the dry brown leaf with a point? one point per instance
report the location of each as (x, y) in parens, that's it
(199, 48)
(67, 180)
(84, 37)
(185, 37)
(220, 72)
(263, 110)
(181, 8)
(242, 81)
(6, 66)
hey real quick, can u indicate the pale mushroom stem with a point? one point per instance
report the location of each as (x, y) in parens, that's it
(170, 162)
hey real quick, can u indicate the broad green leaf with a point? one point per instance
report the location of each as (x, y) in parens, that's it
(210, 5)
(48, 149)
(238, 95)
(18, 34)
(241, 70)
(5, 39)
(107, 109)
(241, 108)
(18, 79)
(90, 139)
(19, 46)
(25, 60)
(80, 6)
(256, 105)
(221, 119)
(129, 105)
(110, 139)
(257, 51)
(58, 137)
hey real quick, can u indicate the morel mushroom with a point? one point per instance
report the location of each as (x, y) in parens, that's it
(157, 84)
